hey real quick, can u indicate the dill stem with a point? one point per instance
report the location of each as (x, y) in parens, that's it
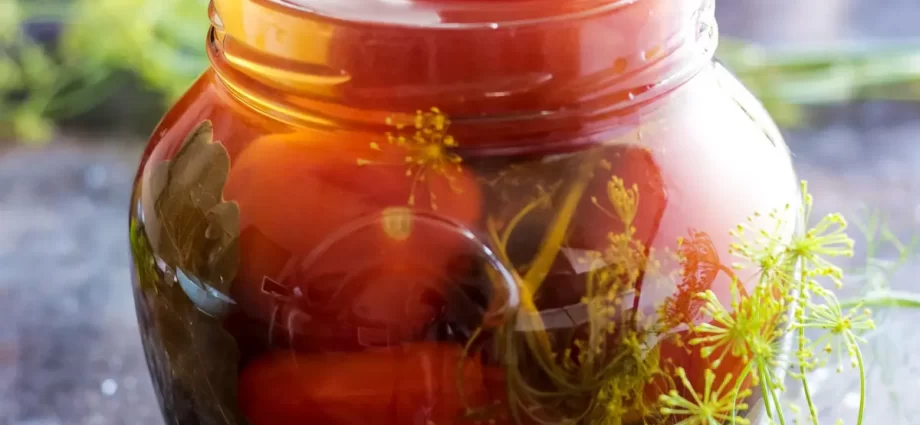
(811, 405)
(516, 220)
(537, 339)
(461, 391)
(862, 378)
(803, 302)
(766, 390)
(737, 389)
(768, 383)
(536, 336)
(558, 229)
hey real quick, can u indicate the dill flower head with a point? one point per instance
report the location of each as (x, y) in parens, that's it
(761, 243)
(747, 330)
(840, 330)
(712, 405)
(827, 239)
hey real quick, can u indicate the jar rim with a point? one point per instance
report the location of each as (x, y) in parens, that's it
(446, 14)
(561, 72)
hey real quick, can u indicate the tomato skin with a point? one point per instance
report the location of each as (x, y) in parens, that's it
(412, 384)
(319, 212)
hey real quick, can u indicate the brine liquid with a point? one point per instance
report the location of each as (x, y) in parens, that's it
(333, 244)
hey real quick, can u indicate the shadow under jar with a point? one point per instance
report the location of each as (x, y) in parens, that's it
(372, 212)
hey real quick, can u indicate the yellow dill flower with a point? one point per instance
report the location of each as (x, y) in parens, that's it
(748, 330)
(765, 246)
(711, 407)
(428, 152)
(827, 239)
(625, 201)
(622, 395)
(842, 330)
(625, 259)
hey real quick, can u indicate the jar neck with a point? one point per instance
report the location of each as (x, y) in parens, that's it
(326, 61)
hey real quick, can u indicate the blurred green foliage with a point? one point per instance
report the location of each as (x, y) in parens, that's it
(159, 41)
(162, 42)
(788, 81)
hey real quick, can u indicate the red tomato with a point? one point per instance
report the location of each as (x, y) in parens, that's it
(413, 384)
(327, 224)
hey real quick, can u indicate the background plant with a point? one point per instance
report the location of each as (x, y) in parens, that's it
(60, 59)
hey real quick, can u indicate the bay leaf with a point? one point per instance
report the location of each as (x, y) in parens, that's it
(197, 230)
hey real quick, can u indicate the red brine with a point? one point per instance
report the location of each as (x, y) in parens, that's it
(448, 213)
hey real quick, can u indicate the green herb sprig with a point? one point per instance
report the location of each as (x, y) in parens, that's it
(785, 324)
(160, 41)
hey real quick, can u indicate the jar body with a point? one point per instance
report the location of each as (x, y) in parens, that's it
(405, 270)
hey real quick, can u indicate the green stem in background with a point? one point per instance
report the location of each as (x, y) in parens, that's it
(838, 70)
(879, 270)
(862, 378)
(786, 80)
(884, 299)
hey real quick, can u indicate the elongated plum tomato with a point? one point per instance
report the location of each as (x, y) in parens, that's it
(413, 384)
(329, 224)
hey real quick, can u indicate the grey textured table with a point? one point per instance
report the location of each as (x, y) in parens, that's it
(69, 349)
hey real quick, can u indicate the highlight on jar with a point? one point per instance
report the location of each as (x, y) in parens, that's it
(518, 213)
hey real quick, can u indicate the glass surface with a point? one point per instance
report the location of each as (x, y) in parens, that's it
(346, 222)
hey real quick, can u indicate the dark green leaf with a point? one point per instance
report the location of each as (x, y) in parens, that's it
(198, 231)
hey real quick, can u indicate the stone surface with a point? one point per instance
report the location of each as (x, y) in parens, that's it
(69, 348)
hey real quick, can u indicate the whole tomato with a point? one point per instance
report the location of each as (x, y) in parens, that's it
(344, 236)
(416, 383)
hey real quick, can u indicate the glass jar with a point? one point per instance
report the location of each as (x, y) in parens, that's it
(446, 212)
